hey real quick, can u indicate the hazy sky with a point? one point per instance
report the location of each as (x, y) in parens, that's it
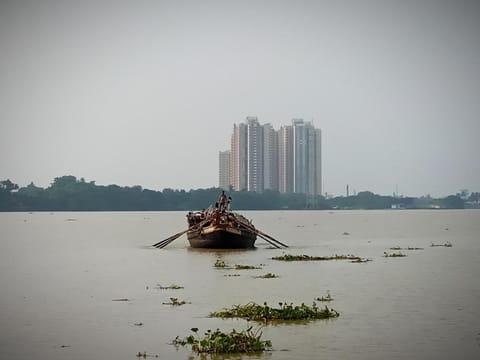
(146, 92)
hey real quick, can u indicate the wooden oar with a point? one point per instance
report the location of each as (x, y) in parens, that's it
(263, 235)
(170, 238)
(256, 233)
(271, 238)
(163, 243)
(270, 242)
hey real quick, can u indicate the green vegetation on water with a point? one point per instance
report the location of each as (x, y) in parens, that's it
(407, 248)
(288, 257)
(218, 342)
(175, 302)
(267, 276)
(145, 355)
(447, 244)
(285, 312)
(325, 298)
(393, 255)
(360, 260)
(169, 287)
(246, 267)
(220, 264)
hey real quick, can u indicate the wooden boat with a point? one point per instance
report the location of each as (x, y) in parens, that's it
(220, 229)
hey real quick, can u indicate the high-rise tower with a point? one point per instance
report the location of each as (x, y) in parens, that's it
(224, 169)
(238, 159)
(285, 159)
(270, 157)
(306, 158)
(289, 160)
(254, 155)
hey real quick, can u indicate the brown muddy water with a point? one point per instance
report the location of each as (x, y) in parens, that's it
(61, 272)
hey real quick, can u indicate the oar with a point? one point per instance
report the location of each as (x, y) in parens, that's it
(263, 235)
(256, 233)
(171, 238)
(163, 243)
(270, 242)
(271, 238)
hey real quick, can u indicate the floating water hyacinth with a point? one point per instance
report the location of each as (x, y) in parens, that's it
(266, 276)
(325, 298)
(246, 267)
(175, 302)
(220, 264)
(285, 312)
(393, 255)
(407, 248)
(170, 287)
(288, 257)
(447, 244)
(218, 342)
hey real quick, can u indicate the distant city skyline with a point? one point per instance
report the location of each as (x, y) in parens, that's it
(261, 158)
(145, 93)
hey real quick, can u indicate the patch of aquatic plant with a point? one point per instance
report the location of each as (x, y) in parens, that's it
(285, 312)
(288, 257)
(246, 267)
(175, 302)
(325, 298)
(267, 276)
(171, 287)
(407, 248)
(218, 342)
(220, 264)
(231, 275)
(145, 355)
(393, 255)
(360, 260)
(447, 244)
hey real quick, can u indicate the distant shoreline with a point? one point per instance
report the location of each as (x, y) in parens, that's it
(67, 193)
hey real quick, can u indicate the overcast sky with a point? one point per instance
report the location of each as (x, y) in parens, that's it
(147, 92)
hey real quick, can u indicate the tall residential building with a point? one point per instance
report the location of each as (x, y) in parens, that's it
(300, 156)
(318, 162)
(289, 160)
(306, 158)
(224, 169)
(254, 155)
(238, 159)
(270, 157)
(285, 159)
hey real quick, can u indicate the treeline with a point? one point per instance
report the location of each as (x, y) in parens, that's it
(67, 193)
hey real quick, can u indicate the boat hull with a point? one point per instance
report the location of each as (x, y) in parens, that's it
(221, 237)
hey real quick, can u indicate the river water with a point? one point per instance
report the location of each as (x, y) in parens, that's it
(60, 274)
